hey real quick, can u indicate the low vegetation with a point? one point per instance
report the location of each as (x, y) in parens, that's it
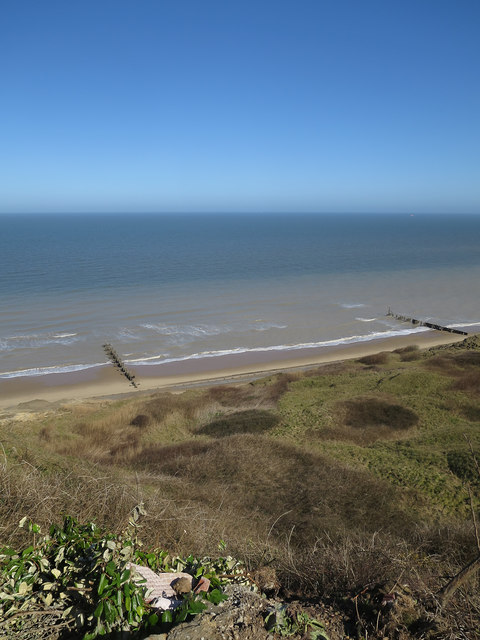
(358, 483)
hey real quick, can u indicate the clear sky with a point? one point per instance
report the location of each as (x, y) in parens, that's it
(245, 105)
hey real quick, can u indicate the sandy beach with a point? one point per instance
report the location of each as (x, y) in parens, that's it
(102, 382)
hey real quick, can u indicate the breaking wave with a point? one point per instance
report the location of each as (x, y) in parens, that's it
(152, 360)
(43, 371)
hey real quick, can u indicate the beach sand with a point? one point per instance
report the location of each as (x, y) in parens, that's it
(106, 382)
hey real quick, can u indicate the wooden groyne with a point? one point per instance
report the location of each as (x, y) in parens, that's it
(430, 325)
(118, 363)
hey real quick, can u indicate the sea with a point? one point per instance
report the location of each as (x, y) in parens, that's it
(172, 288)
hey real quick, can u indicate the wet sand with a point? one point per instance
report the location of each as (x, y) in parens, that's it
(106, 382)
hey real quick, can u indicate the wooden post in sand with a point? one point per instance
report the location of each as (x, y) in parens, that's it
(117, 362)
(430, 325)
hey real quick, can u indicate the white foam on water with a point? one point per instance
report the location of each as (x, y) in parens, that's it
(463, 324)
(144, 360)
(195, 331)
(37, 341)
(43, 371)
(282, 347)
(261, 325)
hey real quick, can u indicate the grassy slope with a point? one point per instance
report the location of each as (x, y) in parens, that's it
(349, 474)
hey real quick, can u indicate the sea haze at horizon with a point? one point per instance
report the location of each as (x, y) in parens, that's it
(163, 288)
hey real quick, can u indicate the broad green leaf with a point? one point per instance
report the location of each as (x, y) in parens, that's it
(152, 619)
(99, 610)
(167, 616)
(216, 596)
(109, 611)
(196, 606)
(181, 614)
(110, 568)
(102, 583)
(125, 575)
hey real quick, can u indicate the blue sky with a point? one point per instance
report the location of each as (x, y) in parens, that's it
(219, 105)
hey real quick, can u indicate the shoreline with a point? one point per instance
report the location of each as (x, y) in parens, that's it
(106, 383)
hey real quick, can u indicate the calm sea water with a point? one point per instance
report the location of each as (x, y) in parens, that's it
(163, 288)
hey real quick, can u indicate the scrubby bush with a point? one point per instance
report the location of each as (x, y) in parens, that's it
(375, 358)
(141, 420)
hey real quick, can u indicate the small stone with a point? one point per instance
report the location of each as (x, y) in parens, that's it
(202, 585)
(182, 585)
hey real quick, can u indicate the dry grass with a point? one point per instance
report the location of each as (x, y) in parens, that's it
(468, 382)
(364, 413)
(232, 463)
(376, 358)
(27, 489)
(408, 349)
(364, 421)
(470, 412)
(263, 481)
(231, 395)
(280, 386)
(409, 353)
(249, 421)
(163, 405)
(463, 368)
(141, 421)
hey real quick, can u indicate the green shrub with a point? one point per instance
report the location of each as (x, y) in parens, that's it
(81, 576)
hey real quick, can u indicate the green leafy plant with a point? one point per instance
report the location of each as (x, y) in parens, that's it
(81, 574)
(280, 621)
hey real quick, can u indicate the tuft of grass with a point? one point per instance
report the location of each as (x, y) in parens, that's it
(411, 348)
(376, 358)
(463, 465)
(363, 413)
(141, 421)
(163, 405)
(250, 421)
(230, 395)
(471, 412)
(409, 353)
(468, 382)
